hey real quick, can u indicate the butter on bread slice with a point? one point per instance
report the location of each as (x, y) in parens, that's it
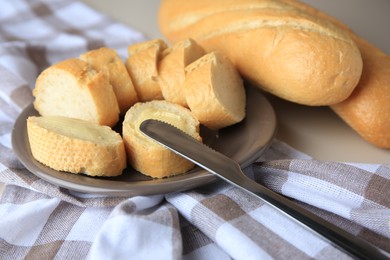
(171, 69)
(76, 146)
(72, 88)
(142, 66)
(215, 91)
(144, 154)
(107, 60)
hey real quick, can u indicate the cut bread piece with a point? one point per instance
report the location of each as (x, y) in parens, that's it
(76, 146)
(146, 155)
(172, 69)
(72, 88)
(215, 91)
(142, 66)
(107, 61)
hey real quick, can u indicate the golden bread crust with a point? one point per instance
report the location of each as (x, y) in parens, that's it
(65, 150)
(107, 61)
(366, 110)
(171, 69)
(282, 48)
(142, 66)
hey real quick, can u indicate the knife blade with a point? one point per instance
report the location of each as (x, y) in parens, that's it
(230, 171)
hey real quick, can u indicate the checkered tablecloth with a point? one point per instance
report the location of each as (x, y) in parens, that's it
(39, 220)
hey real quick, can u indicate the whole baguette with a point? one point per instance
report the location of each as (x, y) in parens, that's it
(284, 49)
(367, 109)
(76, 146)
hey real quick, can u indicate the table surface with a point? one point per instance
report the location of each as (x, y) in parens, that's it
(316, 131)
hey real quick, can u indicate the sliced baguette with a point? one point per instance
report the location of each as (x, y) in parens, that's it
(146, 155)
(72, 88)
(172, 69)
(214, 91)
(107, 61)
(142, 66)
(76, 146)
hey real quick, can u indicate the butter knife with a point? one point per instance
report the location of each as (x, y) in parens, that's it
(228, 170)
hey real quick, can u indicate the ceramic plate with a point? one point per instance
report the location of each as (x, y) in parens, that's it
(243, 142)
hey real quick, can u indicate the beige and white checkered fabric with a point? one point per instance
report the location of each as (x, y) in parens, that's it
(39, 220)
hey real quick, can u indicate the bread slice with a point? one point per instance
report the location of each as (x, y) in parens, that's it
(172, 69)
(215, 91)
(146, 155)
(142, 66)
(76, 146)
(72, 88)
(107, 61)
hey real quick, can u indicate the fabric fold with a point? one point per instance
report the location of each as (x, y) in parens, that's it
(139, 228)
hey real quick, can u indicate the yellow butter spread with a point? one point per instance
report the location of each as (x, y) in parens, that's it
(75, 128)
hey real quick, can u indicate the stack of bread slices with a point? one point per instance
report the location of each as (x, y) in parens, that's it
(80, 101)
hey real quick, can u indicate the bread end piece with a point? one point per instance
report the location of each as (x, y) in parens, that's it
(215, 91)
(76, 146)
(72, 88)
